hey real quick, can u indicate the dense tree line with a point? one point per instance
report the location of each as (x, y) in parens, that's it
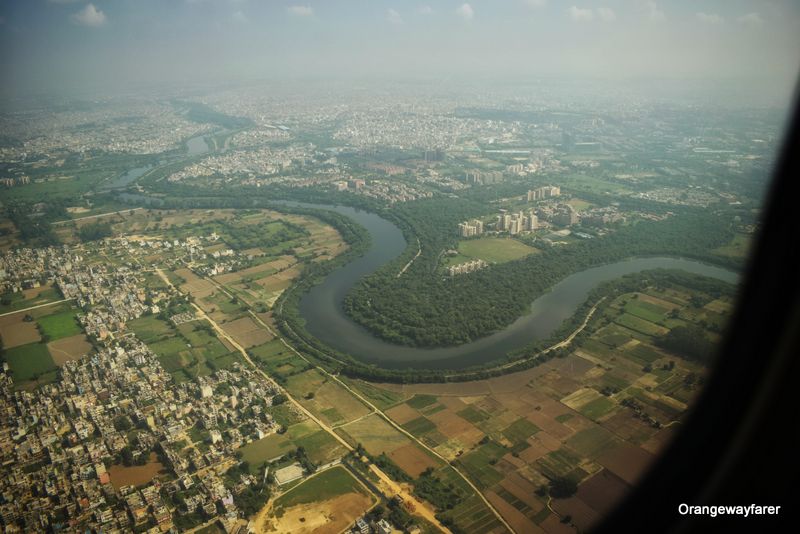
(94, 231)
(420, 309)
(688, 341)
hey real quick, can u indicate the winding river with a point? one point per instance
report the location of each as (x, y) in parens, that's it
(325, 318)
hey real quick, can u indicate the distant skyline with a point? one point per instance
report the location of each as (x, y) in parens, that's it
(65, 45)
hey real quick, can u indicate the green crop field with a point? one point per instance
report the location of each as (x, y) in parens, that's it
(278, 359)
(419, 426)
(645, 310)
(58, 325)
(473, 415)
(263, 450)
(168, 347)
(643, 353)
(29, 361)
(520, 430)
(322, 487)
(495, 250)
(420, 401)
(640, 325)
(150, 328)
(597, 408)
(558, 463)
(320, 447)
(472, 515)
(479, 464)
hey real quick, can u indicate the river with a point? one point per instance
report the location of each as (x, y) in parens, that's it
(325, 319)
(195, 146)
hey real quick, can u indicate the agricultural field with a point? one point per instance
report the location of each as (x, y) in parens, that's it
(16, 331)
(494, 250)
(30, 365)
(28, 298)
(59, 325)
(246, 332)
(69, 348)
(186, 351)
(278, 360)
(598, 415)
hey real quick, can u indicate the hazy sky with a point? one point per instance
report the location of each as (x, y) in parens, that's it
(52, 44)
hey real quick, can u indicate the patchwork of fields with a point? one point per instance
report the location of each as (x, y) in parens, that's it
(598, 416)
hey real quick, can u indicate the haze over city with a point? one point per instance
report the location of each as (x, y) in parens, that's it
(57, 46)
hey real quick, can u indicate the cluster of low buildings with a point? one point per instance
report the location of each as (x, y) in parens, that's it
(59, 441)
(261, 161)
(560, 214)
(66, 448)
(366, 526)
(466, 267)
(64, 445)
(386, 190)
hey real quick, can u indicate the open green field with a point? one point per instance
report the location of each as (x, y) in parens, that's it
(645, 310)
(738, 247)
(322, 487)
(29, 361)
(579, 204)
(149, 328)
(58, 325)
(597, 408)
(264, 450)
(495, 250)
(592, 184)
(320, 447)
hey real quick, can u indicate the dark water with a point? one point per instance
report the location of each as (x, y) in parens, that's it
(325, 319)
(197, 145)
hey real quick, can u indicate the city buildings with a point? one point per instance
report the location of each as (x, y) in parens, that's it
(470, 228)
(467, 267)
(542, 193)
